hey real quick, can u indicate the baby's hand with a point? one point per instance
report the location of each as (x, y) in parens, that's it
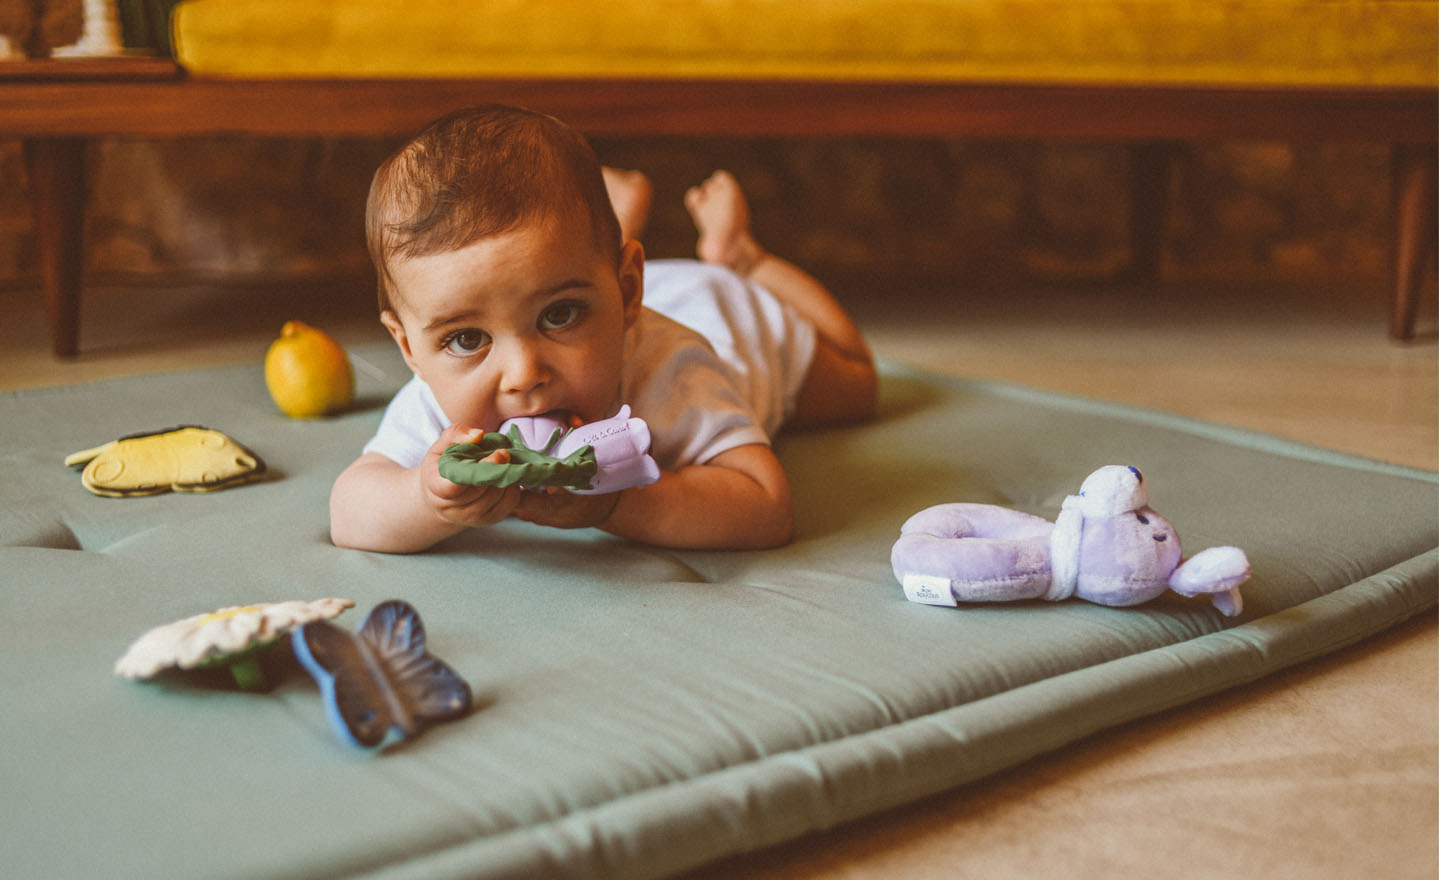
(559, 509)
(464, 505)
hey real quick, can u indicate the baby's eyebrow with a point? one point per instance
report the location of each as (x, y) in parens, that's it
(568, 284)
(542, 293)
(452, 319)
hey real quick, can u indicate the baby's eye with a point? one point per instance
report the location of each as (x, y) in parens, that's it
(463, 343)
(561, 315)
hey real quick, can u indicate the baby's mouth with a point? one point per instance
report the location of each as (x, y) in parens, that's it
(563, 417)
(541, 430)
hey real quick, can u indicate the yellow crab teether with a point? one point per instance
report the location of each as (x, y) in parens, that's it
(184, 459)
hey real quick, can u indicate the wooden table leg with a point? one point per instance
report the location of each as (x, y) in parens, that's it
(1415, 234)
(1149, 180)
(57, 187)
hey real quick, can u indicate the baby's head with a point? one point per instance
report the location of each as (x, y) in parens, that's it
(501, 271)
(476, 173)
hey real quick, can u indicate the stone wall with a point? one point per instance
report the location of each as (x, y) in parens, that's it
(981, 212)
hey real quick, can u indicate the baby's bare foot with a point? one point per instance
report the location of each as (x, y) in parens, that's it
(630, 195)
(722, 218)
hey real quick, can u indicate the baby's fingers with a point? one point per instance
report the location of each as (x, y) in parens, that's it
(451, 435)
(462, 493)
(498, 504)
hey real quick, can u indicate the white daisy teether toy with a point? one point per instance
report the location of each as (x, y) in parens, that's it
(230, 637)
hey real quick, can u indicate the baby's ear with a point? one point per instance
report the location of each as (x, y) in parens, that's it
(397, 332)
(632, 279)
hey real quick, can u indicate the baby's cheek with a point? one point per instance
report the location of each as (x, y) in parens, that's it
(468, 401)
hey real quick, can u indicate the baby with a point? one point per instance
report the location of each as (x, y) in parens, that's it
(511, 277)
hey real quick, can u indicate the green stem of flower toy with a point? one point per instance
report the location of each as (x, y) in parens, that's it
(248, 674)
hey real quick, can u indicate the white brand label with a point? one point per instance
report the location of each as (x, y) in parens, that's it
(928, 590)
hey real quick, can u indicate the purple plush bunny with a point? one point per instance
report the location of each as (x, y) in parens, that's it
(1107, 546)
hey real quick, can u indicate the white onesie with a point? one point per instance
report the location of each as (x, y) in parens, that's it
(727, 378)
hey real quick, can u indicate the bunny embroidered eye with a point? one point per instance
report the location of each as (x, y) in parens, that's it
(1159, 538)
(1141, 517)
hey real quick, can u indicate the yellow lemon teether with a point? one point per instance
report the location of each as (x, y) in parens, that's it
(308, 373)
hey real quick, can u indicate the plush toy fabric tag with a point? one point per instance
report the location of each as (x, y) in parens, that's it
(929, 590)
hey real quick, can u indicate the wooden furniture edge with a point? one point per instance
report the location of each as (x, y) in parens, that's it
(185, 106)
(57, 112)
(123, 67)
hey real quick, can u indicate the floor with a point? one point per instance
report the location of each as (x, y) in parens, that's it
(1357, 730)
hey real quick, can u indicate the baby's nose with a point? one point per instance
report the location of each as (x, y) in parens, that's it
(524, 368)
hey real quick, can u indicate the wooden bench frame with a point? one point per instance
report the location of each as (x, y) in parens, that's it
(57, 107)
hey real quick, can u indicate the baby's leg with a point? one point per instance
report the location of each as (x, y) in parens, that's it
(630, 195)
(841, 383)
(722, 217)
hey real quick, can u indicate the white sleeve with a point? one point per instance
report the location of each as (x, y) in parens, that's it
(411, 425)
(689, 397)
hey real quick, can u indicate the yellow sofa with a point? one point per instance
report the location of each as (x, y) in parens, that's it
(1330, 43)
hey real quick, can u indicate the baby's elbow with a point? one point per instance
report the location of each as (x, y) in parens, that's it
(350, 531)
(343, 529)
(784, 532)
(344, 538)
(348, 537)
(345, 535)
(776, 529)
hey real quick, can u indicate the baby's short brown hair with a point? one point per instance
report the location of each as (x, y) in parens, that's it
(480, 172)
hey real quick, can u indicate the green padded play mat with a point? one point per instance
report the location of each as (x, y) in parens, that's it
(639, 711)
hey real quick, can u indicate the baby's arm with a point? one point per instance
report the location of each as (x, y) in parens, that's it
(739, 500)
(376, 504)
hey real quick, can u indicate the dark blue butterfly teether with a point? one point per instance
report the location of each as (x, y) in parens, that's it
(380, 682)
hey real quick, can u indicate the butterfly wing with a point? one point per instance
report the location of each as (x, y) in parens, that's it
(381, 679)
(422, 688)
(355, 702)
